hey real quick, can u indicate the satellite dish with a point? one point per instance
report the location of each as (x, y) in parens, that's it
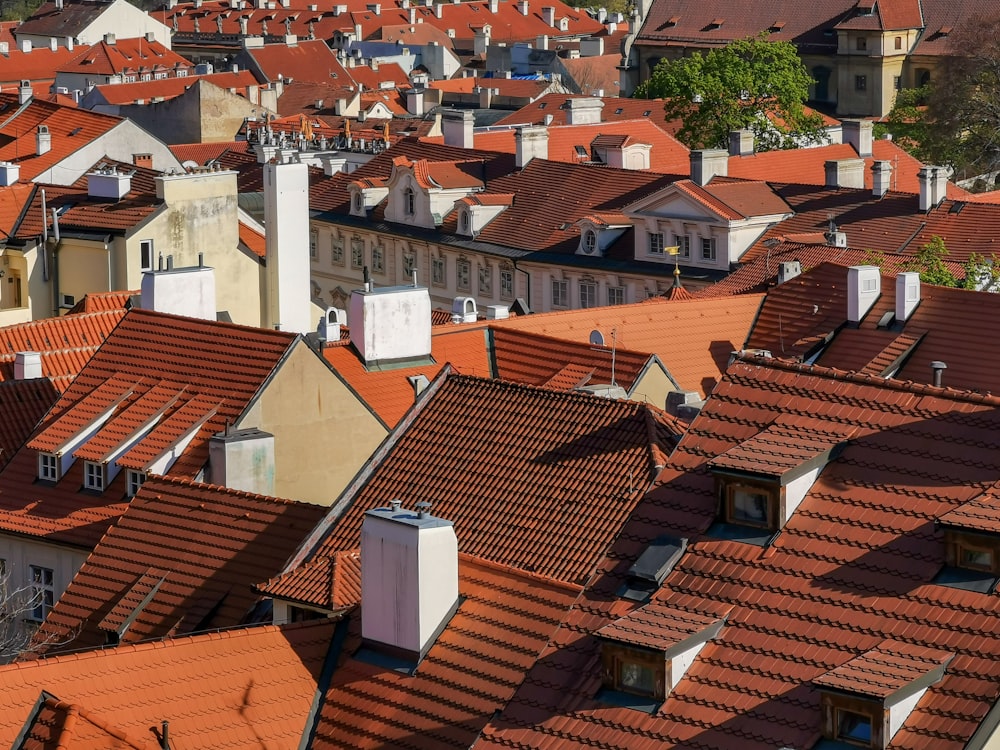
(596, 338)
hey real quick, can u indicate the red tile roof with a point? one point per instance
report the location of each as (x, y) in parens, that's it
(59, 724)
(125, 57)
(693, 338)
(103, 302)
(307, 60)
(375, 80)
(204, 153)
(513, 87)
(561, 470)
(169, 88)
(253, 239)
(39, 65)
(884, 670)
(852, 569)
(14, 201)
(216, 368)
(23, 404)
(201, 547)
(503, 623)
(222, 690)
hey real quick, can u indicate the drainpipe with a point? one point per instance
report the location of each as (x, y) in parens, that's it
(527, 277)
(55, 259)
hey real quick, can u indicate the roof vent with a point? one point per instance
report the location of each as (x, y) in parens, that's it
(330, 324)
(10, 173)
(391, 325)
(463, 310)
(654, 564)
(937, 368)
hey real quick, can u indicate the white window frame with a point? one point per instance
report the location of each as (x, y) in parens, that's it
(683, 243)
(48, 467)
(589, 241)
(616, 295)
(43, 592)
(357, 253)
(94, 475)
(708, 250)
(378, 259)
(560, 293)
(313, 243)
(133, 481)
(656, 243)
(409, 264)
(337, 250)
(145, 255)
(588, 294)
(506, 283)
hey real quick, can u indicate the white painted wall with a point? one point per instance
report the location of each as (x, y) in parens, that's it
(286, 226)
(181, 291)
(391, 323)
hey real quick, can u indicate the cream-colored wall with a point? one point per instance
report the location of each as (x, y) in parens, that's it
(125, 21)
(200, 215)
(322, 433)
(653, 387)
(19, 269)
(84, 266)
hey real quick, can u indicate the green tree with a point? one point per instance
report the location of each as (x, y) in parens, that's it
(982, 273)
(929, 263)
(751, 83)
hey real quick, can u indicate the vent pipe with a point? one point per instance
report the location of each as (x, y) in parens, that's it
(938, 367)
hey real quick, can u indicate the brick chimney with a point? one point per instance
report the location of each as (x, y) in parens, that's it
(143, 160)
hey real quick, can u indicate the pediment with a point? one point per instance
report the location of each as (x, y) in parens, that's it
(671, 203)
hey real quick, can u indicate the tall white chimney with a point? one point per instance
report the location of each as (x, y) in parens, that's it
(409, 579)
(457, 128)
(907, 295)
(24, 92)
(530, 142)
(933, 186)
(286, 234)
(27, 365)
(43, 140)
(391, 324)
(858, 133)
(549, 15)
(242, 460)
(881, 177)
(863, 288)
(708, 163)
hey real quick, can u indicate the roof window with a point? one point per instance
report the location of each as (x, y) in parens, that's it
(972, 545)
(652, 567)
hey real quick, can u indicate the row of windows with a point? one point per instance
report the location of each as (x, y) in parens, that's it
(588, 294)
(861, 43)
(94, 474)
(657, 245)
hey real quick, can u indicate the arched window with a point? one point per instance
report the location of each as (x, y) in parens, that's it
(464, 221)
(589, 241)
(409, 201)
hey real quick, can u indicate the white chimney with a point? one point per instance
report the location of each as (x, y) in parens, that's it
(845, 173)
(53, 44)
(409, 579)
(286, 233)
(549, 15)
(494, 6)
(439, 10)
(415, 101)
(497, 312)
(463, 310)
(391, 324)
(542, 41)
(708, 163)
(530, 142)
(881, 177)
(109, 184)
(907, 295)
(741, 142)
(242, 460)
(27, 365)
(109, 38)
(10, 173)
(858, 133)
(585, 110)
(330, 324)
(788, 270)
(863, 288)
(25, 45)
(522, 6)
(933, 186)
(456, 126)
(180, 291)
(24, 93)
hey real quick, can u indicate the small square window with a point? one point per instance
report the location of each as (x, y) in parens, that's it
(463, 270)
(506, 284)
(897, 83)
(683, 244)
(93, 476)
(854, 728)
(860, 83)
(438, 271)
(635, 678)
(656, 243)
(975, 558)
(899, 42)
(48, 467)
(749, 506)
(616, 295)
(560, 293)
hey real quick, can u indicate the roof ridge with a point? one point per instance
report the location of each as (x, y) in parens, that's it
(506, 569)
(193, 484)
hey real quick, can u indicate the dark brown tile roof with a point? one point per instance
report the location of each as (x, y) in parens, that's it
(532, 478)
(194, 550)
(503, 623)
(70, 20)
(852, 569)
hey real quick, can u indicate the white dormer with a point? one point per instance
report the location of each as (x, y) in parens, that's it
(475, 212)
(365, 195)
(599, 232)
(421, 193)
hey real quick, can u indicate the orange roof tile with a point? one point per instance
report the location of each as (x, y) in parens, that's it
(376, 80)
(222, 690)
(170, 88)
(853, 569)
(14, 200)
(547, 451)
(200, 543)
(57, 724)
(692, 338)
(103, 302)
(125, 56)
(253, 239)
(307, 60)
(217, 367)
(465, 676)
(204, 153)
(23, 404)
(38, 65)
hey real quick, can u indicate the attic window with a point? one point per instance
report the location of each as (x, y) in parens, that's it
(673, 20)
(619, 111)
(971, 547)
(652, 567)
(776, 26)
(716, 23)
(93, 476)
(589, 241)
(133, 481)
(581, 152)
(48, 467)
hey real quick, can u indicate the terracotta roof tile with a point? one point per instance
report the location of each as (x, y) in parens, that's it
(563, 467)
(253, 239)
(465, 677)
(307, 60)
(703, 332)
(103, 302)
(850, 574)
(38, 66)
(204, 153)
(375, 80)
(222, 690)
(178, 541)
(170, 88)
(124, 56)
(657, 626)
(23, 404)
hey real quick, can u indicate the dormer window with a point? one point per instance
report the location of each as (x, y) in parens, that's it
(133, 481)
(751, 505)
(409, 201)
(359, 202)
(971, 544)
(463, 222)
(93, 476)
(48, 467)
(589, 241)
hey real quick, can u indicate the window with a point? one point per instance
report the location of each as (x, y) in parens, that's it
(359, 202)
(357, 253)
(860, 83)
(506, 283)
(147, 76)
(632, 670)
(854, 727)
(589, 241)
(463, 269)
(656, 243)
(464, 222)
(43, 592)
(378, 259)
(975, 558)
(409, 201)
(560, 293)
(749, 506)
(438, 271)
(897, 83)
(899, 42)
(93, 476)
(635, 678)
(409, 264)
(337, 251)
(708, 248)
(133, 481)
(146, 255)
(683, 243)
(313, 243)
(616, 295)
(588, 294)
(861, 43)
(485, 280)
(68, 300)
(48, 467)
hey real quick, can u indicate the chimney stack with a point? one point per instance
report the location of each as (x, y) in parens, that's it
(186, 291)
(43, 140)
(741, 142)
(24, 92)
(863, 288)
(409, 580)
(584, 110)
(788, 270)
(286, 236)
(881, 177)
(933, 186)
(457, 128)
(27, 365)
(522, 6)
(391, 325)
(858, 133)
(242, 460)
(708, 163)
(845, 173)
(530, 142)
(549, 15)
(907, 295)
(330, 324)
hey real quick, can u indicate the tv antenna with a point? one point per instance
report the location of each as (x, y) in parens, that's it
(597, 339)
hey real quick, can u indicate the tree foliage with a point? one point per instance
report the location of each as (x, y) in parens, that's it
(929, 263)
(752, 84)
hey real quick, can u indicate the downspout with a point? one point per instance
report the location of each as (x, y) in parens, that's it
(527, 285)
(55, 259)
